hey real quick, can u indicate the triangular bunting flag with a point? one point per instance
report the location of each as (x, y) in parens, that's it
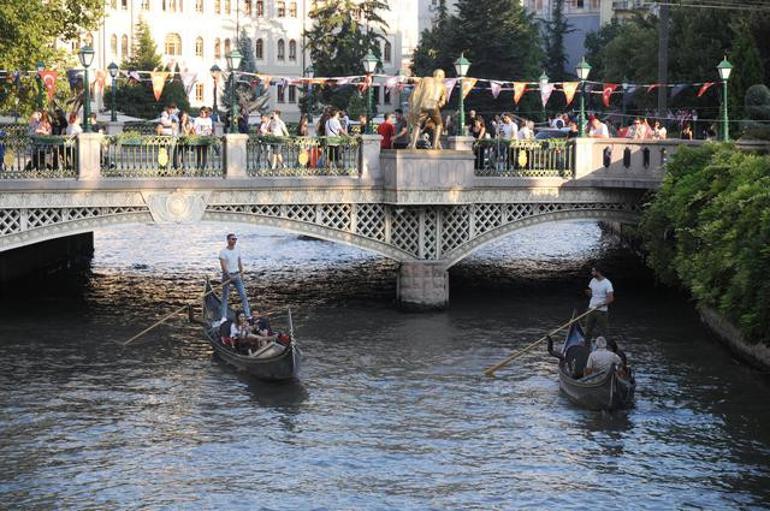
(468, 85)
(519, 88)
(546, 90)
(569, 88)
(706, 86)
(343, 81)
(188, 80)
(366, 83)
(652, 87)
(158, 82)
(607, 91)
(392, 82)
(134, 75)
(449, 86)
(678, 88)
(49, 82)
(495, 87)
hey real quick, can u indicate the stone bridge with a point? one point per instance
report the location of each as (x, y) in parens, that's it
(426, 209)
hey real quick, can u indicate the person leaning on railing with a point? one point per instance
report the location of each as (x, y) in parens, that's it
(202, 127)
(333, 128)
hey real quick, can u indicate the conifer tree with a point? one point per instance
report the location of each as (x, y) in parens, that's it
(555, 30)
(144, 56)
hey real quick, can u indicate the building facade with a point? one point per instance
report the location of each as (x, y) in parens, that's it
(196, 34)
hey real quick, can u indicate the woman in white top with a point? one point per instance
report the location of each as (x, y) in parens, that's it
(508, 129)
(73, 125)
(277, 129)
(527, 132)
(334, 128)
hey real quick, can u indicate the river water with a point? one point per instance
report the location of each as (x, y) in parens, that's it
(392, 410)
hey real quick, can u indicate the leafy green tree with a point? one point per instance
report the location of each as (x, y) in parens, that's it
(555, 56)
(342, 33)
(435, 51)
(144, 56)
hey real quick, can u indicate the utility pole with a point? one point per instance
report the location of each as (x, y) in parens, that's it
(663, 28)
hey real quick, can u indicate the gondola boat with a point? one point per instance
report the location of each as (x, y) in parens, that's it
(610, 390)
(275, 362)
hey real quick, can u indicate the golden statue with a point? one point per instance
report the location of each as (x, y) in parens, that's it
(425, 104)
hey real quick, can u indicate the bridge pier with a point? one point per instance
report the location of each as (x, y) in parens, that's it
(423, 286)
(46, 257)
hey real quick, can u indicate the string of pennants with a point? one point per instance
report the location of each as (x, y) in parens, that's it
(363, 82)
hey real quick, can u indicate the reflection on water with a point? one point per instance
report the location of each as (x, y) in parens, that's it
(392, 411)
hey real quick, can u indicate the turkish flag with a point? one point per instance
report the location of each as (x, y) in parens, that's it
(706, 86)
(607, 91)
(49, 81)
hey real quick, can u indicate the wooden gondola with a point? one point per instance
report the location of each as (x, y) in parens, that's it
(275, 362)
(611, 390)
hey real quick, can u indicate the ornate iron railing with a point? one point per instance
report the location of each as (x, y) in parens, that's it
(143, 127)
(303, 156)
(524, 158)
(38, 157)
(136, 155)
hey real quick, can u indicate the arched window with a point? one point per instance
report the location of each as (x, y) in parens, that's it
(114, 4)
(114, 46)
(124, 4)
(246, 7)
(124, 46)
(259, 51)
(217, 48)
(387, 53)
(218, 6)
(146, 5)
(198, 5)
(292, 50)
(280, 8)
(293, 9)
(173, 45)
(227, 47)
(260, 8)
(227, 6)
(199, 47)
(199, 92)
(281, 50)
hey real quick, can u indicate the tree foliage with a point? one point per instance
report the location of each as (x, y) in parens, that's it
(555, 30)
(144, 55)
(342, 33)
(708, 228)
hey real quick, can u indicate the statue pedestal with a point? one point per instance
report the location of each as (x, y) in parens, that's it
(426, 176)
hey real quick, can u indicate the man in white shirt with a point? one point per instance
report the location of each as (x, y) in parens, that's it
(508, 129)
(232, 269)
(277, 129)
(598, 129)
(602, 294)
(334, 129)
(601, 359)
(169, 122)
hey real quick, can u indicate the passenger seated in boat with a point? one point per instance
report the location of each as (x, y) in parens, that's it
(601, 359)
(575, 359)
(260, 323)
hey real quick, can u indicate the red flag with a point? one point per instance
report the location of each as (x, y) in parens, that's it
(706, 86)
(364, 86)
(609, 88)
(49, 81)
(652, 87)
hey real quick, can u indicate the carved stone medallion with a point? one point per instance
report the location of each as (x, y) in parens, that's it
(176, 207)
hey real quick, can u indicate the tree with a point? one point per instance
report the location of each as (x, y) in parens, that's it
(144, 56)
(250, 96)
(342, 33)
(434, 51)
(555, 56)
(749, 70)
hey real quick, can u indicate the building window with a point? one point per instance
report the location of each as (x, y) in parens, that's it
(259, 51)
(595, 4)
(280, 91)
(387, 96)
(281, 50)
(198, 5)
(113, 4)
(114, 46)
(387, 54)
(376, 94)
(280, 8)
(124, 46)
(173, 44)
(217, 48)
(227, 47)
(199, 92)
(292, 94)
(260, 8)
(124, 4)
(199, 47)
(292, 50)
(75, 45)
(227, 6)
(218, 6)
(146, 5)
(246, 7)
(293, 9)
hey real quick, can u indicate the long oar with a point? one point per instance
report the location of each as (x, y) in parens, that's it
(490, 371)
(165, 318)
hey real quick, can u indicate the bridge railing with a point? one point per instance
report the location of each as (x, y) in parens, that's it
(37, 157)
(136, 155)
(524, 158)
(303, 156)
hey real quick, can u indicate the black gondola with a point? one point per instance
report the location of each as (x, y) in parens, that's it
(601, 391)
(275, 362)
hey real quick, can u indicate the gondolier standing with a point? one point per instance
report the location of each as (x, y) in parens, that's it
(602, 294)
(232, 269)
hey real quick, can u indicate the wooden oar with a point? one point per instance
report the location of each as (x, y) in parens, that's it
(165, 318)
(490, 371)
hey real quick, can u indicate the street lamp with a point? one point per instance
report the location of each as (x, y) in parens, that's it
(233, 62)
(215, 72)
(582, 71)
(310, 73)
(544, 79)
(86, 56)
(113, 69)
(40, 67)
(370, 64)
(725, 68)
(461, 67)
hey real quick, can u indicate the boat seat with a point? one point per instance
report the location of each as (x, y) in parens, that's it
(576, 359)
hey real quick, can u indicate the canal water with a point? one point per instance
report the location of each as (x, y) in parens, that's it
(392, 410)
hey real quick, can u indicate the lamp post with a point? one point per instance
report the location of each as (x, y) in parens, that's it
(370, 64)
(582, 71)
(113, 69)
(86, 56)
(544, 79)
(40, 67)
(725, 68)
(461, 67)
(624, 87)
(215, 72)
(310, 73)
(233, 62)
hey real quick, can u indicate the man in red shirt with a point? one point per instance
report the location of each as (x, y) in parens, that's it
(387, 131)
